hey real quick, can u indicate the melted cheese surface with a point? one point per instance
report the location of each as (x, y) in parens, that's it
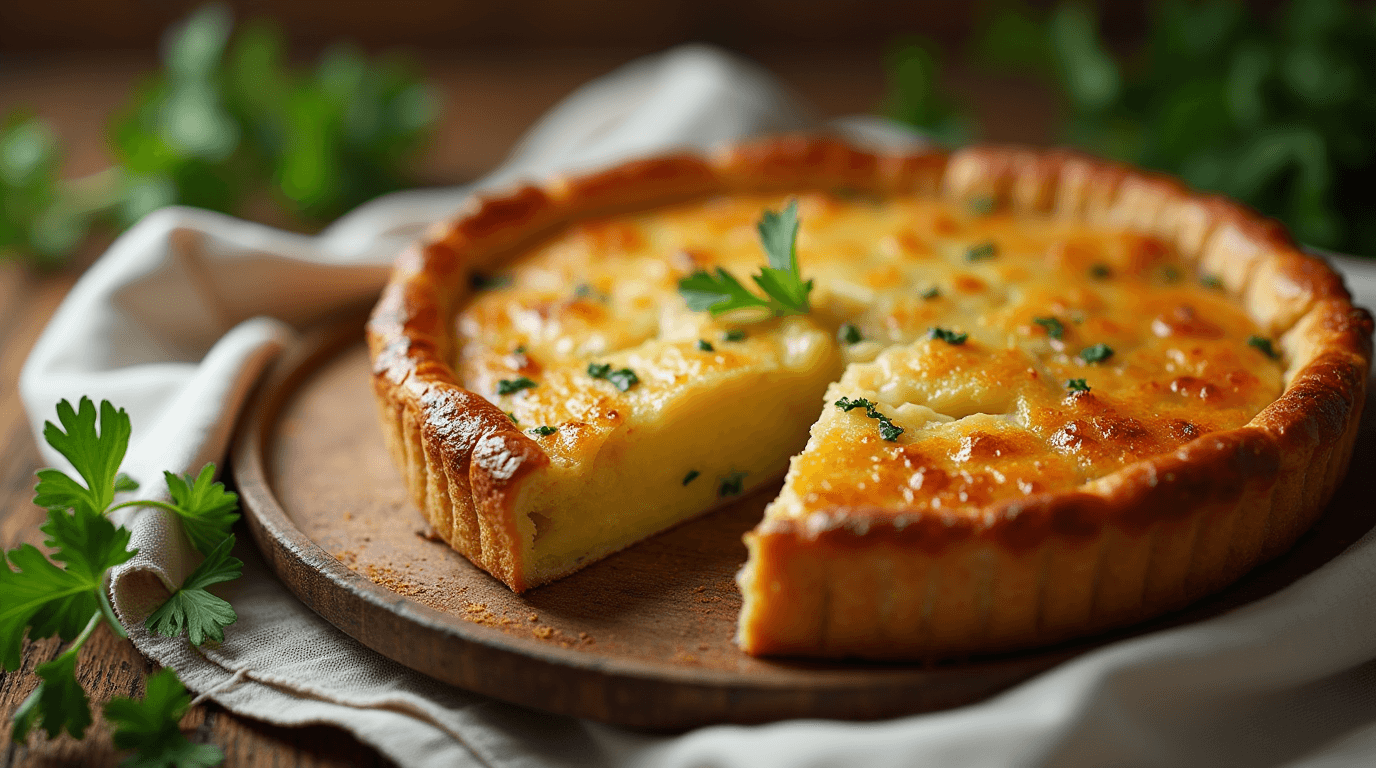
(990, 418)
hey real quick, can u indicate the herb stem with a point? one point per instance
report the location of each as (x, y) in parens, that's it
(145, 503)
(108, 611)
(85, 635)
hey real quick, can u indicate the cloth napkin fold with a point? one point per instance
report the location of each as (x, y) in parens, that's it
(179, 318)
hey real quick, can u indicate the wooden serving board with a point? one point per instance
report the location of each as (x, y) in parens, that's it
(643, 638)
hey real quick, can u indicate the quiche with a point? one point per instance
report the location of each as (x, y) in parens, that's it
(1017, 396)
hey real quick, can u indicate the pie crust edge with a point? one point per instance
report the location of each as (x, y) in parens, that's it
(1144, 540)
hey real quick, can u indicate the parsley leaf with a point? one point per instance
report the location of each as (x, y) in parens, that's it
(718, 293)
(982, 205)
(96, 457)
(1212, 282)
(543, 431)
(1053, 327)
(887, 429)
(1100, 272)
(691, 476)
(1264, 345)
(206, 509)
(512, 386)
(731, 485)
(152, 727)
(948, 336)
(735, 334)
(1096, 354)
(849, 334)
(931, 293)
(705, 346)
(59, 702)
(783, 285)
(982, 252)
(49, 600)
(1077, 385)
(194, 610)
(623, 379)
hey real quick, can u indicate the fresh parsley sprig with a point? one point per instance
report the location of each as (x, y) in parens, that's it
(70, 600)
(225, 121)
(151, 726)
(786, 293)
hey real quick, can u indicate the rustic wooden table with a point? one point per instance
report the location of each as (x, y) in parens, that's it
(488, 103)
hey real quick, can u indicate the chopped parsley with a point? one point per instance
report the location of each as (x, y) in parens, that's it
(692, 475)
(544, 431)
(512, 386)
(786, 293)
(887, 429)
(519, 350)
(982, 205)
(585, 291)
(1100, 272)
(1213, 282)
(948, 336)
(1096, 354)
(1077, 385)
(849, 334)
(931, 293)
(512, 416)
(735, 334)
(732, 484)
(1265, 346)
(982, 252)
(622, 379)
(1170, 274)
(705, 346)
(1053, 327)
(481, 282)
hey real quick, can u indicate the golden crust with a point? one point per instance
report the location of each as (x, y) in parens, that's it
(860, 582)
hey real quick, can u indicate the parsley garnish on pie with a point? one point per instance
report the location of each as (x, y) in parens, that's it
(1100, 272)
(849, 334)
(786, 293)
(622, 379)
(1265, 346)
(691, 476)
(1077, 385)
(887, 429)
(982, 252)
(731, 485)
(1053, 327)
(705, 346)
(512, 386)
(543, 431)
(982, 205)
(931, 293)
(735, 334)
(1096, 354)
(948, 336)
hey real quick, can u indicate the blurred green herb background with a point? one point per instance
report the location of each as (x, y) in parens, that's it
(226, 120)
(1276, 111)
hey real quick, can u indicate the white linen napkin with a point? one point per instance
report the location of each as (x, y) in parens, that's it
(178, 319)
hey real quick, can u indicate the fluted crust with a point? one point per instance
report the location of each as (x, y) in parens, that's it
(854, 582)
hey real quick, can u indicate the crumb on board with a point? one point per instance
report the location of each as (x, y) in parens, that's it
(479, 613)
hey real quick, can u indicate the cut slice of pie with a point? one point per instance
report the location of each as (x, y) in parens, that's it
(1032, 395)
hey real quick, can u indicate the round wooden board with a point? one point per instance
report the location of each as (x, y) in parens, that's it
(642, 638)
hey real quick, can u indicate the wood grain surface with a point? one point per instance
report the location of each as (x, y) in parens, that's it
(642, 638)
